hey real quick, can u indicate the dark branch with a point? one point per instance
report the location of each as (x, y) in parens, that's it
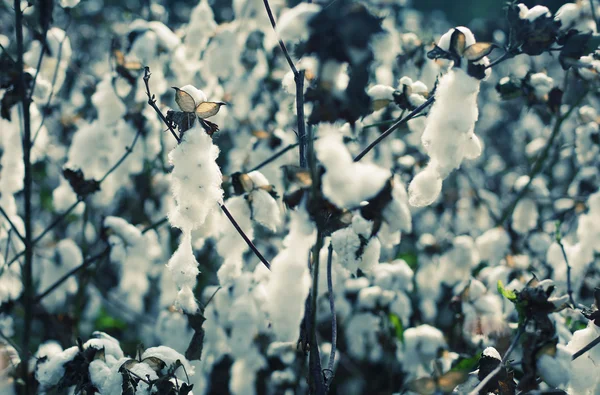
(152, 102)
(12, 225)
(246, 239)
(330, 365)
(587, 348)
(395, 126)
(72, 272)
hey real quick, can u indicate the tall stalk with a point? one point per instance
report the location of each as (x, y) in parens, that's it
(28, 291)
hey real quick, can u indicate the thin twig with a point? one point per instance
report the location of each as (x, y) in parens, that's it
(281, 43)
(28, 288)
(315, 378)
(155, 225)
(246, 239)
(53, 84)
(587, 348)
(63, 215)
(299, 80)
(152, 102)
(274, 156)
(395, 126)
(73, 271)
(330, 365)
(558, 239)
(539, 163)
(128, 151)
(494, 372)
(12, 225)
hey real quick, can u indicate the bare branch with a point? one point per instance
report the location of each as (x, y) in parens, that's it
(395, 126)
(246, 239)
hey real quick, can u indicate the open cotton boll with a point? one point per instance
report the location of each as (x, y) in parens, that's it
(493, 245)
(525, 216)
(195, 179)
(421, 346)
(184, 269)
(68, 256)
(290, 279)
(345, 182)
(355, 253)
(362, 337)
(265, 209)
(531, 14)
(198, 95)
(109, 104)
(425, 188)
(444, 41)
(170, 357)
(396, 213)
(292, 23)
(50, 370)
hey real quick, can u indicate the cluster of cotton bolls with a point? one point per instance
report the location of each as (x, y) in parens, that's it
(414, 271)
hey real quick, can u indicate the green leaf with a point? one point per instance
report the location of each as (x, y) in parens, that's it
(398, 327)
(510, 295)
(410, 258)
(467, 364)
(104, 322)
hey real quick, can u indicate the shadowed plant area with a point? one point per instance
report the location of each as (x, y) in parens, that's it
(287, 197)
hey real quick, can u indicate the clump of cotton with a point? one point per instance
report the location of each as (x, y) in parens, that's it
(130, 250)
(290, 279)
(293, 22)
(362, 334)
(67, 257)
(449, 132)
(586, 134)
(355, 247)
(493, 245)
(53, 69)
(421, 346)
(195, 179)
(184, 269)
(577, 16)
(531, 14)
(542, 84)
(346, 183)
(584, 378)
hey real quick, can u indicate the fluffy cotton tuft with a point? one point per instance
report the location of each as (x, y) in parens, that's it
(196, 179)
(290, 279)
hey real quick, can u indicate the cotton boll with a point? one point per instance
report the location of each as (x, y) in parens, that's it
(533, 13)
(586, 149)
(555, 369)
(230, 243)
(265, 209)
(68, 3)
(425, 188)
(361, 334)
(542, 85)
(473, 147)
(493, 245)
(292, 24)
(396, 213)
(347, 183)
(49, 371)
(444, 41)
(184, 269)
(525, 216)
(290, 279)
(196, 179)
(421, 346)
(230, 270)
(196, 94)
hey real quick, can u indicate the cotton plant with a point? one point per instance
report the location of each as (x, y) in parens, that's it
(449, 136)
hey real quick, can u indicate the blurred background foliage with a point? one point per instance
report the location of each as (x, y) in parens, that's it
(462, 12)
